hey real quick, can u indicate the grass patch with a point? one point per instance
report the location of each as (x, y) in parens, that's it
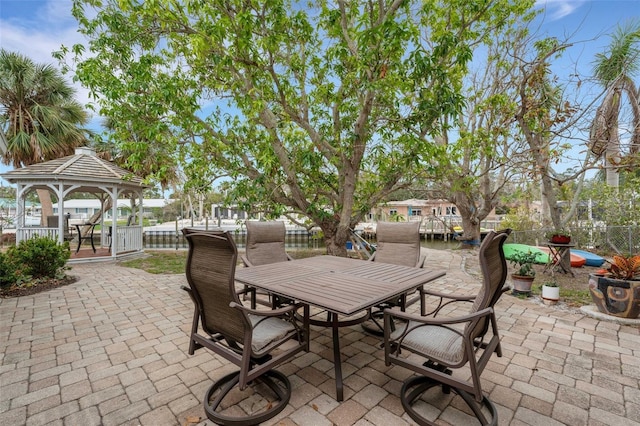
(174, 262)
(571, 297)
(575, 298)
(160, 262)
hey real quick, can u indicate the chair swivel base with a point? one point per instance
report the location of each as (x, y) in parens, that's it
(274, 380)
(415, 386)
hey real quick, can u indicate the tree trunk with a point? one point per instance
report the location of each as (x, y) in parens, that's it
(335, 237)
(46, 205)
(334, 248)
(612, 156)
(470, 224)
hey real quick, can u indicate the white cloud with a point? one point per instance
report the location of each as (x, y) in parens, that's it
(558, 9)
(57, 11)
(38, 28)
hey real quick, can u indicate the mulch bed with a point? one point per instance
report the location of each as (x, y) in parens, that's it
(36, 287)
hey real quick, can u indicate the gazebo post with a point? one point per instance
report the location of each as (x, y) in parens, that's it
(20, 212)
(59, 191)
(114, 221)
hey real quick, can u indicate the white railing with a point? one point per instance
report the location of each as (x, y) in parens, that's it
(129, 238)
(31, 232)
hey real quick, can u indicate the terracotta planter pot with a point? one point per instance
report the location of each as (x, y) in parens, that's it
(620, 298)
(550, 295)
(521, 284)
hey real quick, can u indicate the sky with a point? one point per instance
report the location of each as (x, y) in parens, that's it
(36, 28)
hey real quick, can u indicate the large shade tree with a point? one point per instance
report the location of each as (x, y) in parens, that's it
(321, 109)
(615, 69)
(40, 119)
(484, 152)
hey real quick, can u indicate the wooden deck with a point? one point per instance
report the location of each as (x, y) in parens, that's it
(87, 252)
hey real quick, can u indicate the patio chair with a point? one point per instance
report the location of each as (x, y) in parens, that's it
(53, 221)
(253, 340)
(445, 343)
(397, 243)
(265, 244)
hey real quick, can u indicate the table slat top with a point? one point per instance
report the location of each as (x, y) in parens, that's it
(342, 285)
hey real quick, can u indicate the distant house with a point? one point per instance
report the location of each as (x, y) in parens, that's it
(416, 209)
(8, 207)
(85, 208)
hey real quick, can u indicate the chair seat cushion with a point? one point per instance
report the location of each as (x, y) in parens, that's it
(437, 343)
(268, 333)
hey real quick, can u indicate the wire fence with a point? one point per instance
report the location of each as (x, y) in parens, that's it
(603, 240)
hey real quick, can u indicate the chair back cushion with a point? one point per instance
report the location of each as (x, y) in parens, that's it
(211, 266)
(52, 222)
(398, 243)
(493, 266)
(265, 242)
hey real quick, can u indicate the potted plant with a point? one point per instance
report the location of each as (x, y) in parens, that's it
(616, 290)
(559, 236)
(550, 292)
(524, 274)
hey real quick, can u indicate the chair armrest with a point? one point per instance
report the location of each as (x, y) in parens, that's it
(245, 260)
(289, 257)
(457, 298)
(396, 313)
(267, 313)
(421, 261)
(445, 299)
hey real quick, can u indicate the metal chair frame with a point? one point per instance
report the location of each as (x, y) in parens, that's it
(228, 330)
(474, 350)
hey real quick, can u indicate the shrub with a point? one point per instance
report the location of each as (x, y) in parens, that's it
(40, 257)
(8, 272)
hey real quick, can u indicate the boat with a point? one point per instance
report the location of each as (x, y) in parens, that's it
(592, 259)
(577, 261)
(511, 248)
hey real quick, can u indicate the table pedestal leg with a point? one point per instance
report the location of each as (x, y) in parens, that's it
(337, 362)
(92, 245)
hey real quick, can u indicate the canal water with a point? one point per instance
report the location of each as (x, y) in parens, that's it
(440, 245)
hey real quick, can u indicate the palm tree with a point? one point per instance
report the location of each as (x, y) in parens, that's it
(40, 120)
(615, 71)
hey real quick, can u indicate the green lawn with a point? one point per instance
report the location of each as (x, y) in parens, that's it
(173, 262)
(160, 262)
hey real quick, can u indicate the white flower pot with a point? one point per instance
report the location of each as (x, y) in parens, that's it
(550, 295)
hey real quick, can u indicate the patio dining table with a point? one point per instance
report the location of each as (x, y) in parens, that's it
(339, 285)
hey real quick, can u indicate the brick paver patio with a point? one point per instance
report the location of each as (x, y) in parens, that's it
(111, 350)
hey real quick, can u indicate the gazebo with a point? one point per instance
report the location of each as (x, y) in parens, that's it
(83, 172)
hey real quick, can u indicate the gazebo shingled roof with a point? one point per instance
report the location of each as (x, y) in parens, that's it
(81, 166)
